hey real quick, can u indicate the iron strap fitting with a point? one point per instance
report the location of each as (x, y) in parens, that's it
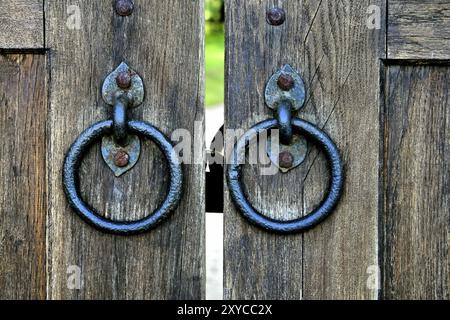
(285, 95)
(123, 89)
(120, 146)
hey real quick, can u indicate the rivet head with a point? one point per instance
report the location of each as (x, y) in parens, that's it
(121, 159)
(124, 7)
(285, 82)
(276, 16)
(123, 80)
(285, 159)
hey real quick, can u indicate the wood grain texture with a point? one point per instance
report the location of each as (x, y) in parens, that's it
(419, 29)
(23, 112)
(416, 215)
(21, 24)
(163, 42)
(337, 56)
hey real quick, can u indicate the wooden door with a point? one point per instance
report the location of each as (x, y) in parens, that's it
(377, 78)
(54, 58)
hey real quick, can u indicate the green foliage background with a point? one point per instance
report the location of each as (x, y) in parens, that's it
(215, 52)
(214, 10)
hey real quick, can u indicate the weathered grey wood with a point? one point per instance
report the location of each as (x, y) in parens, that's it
(419, 29)
(337, 55)
(22, 24)
(23, 112)
(163, 42)
(416, 217)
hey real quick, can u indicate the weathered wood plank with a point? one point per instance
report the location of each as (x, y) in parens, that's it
(22, 24)
(419, 29)
(337, 54)
(23, 114)
(416, 217)
(342, 53)
(163, 42)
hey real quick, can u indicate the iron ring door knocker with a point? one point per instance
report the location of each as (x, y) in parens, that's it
(285, 93)
(122, 88)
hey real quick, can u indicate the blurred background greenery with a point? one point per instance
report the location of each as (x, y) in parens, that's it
(214, 56)
(215, 52)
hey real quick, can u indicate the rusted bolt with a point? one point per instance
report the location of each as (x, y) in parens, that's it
(124, 7)
(276, 16)
(285, 159)
(285, 82)
(123, 80)
(121, 159)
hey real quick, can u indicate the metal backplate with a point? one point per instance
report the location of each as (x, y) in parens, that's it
(298, 149)
(135, 93)
(275, 95)
(109, 150)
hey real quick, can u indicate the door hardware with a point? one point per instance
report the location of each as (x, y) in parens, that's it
(285, 94)
(124, 7)
(276, 16)
(122, 89)
(285, 100)
(121, 150)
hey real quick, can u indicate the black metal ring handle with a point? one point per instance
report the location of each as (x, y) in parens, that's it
(71, 180)
(318, 137)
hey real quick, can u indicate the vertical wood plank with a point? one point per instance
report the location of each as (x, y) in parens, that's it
(163, 42)
(330, 43)
(23, 115)
(416, 208)
(343, 49)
